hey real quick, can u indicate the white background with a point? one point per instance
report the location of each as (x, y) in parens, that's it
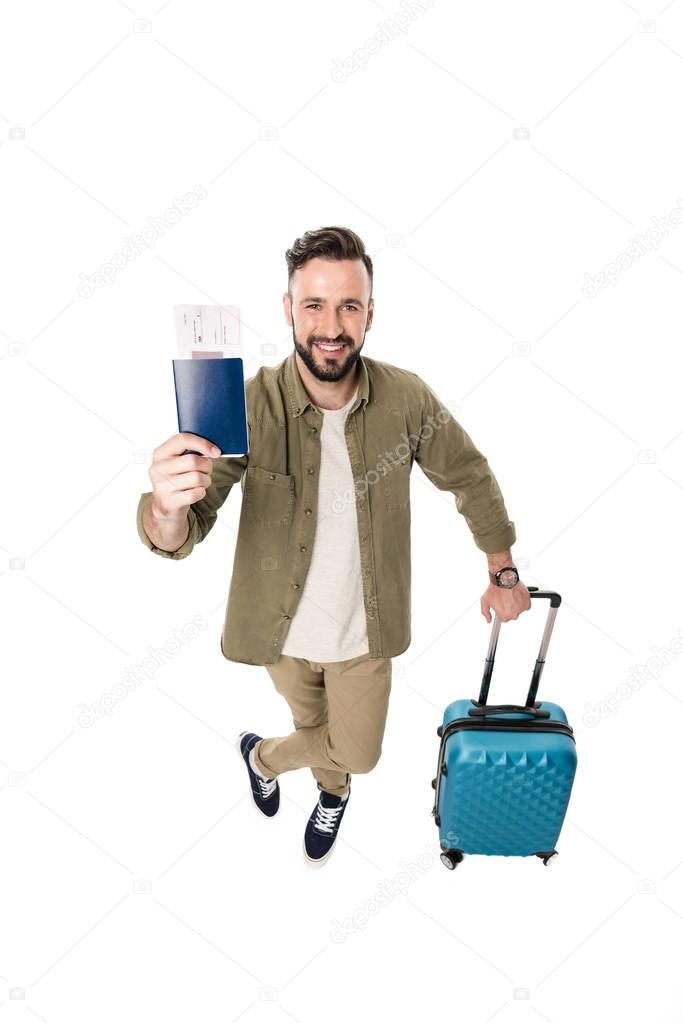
(491, 156)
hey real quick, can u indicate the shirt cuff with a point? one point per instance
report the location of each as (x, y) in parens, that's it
(502, 540)
(183, 551)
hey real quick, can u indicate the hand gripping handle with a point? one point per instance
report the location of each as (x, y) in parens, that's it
(534, 592)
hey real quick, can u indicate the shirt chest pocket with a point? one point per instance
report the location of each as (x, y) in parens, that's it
(396, 482)
(268, 497)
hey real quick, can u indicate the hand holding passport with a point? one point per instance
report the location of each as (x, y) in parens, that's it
(209, 376)
(179, 479)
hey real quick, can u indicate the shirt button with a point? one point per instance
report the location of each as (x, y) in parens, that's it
(271, 475)
(313, 429)
(295, 586)
(286, 617)
(307, 511)
(297, 409)
(310, 471)
(371, 614)
(303, 549)
(363, 537)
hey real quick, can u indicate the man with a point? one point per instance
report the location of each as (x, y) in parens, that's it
(320, 590)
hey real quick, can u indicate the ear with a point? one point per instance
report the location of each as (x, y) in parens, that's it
(371, 310)
(287, 305)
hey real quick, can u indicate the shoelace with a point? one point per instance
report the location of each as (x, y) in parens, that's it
(267, 787)
(326, 817)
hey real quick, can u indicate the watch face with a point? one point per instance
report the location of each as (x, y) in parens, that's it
(508, 578)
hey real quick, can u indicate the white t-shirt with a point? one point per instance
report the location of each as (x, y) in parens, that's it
(329, 622)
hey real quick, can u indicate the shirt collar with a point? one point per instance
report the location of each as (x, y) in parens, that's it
(299, 399)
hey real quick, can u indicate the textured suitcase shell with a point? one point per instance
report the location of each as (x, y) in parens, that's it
(504, 793)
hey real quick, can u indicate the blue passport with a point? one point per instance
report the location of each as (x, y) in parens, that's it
(211, 401)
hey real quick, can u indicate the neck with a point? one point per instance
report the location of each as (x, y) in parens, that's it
(328, 394)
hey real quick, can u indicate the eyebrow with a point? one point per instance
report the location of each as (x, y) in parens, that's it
(345, 301)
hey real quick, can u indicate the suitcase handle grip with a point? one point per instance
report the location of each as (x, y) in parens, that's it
(555, 598)
(534, 592)
(507, 708)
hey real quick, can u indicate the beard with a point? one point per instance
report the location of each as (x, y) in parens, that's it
(331, 369)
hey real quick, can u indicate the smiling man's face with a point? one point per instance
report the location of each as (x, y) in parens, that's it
(329, 311)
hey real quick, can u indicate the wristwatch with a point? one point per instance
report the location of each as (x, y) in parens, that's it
(505, 577)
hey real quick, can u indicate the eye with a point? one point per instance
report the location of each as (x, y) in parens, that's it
(316, 305)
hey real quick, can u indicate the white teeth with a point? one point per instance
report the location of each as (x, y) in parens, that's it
(330, 348)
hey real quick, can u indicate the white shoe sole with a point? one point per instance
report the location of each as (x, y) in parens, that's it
(323, 859)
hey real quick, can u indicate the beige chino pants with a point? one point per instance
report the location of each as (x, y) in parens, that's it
(339, 709)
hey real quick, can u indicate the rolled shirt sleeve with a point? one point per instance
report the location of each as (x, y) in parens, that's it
(449, 458)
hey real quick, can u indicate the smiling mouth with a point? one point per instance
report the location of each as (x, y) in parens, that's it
(329, 347)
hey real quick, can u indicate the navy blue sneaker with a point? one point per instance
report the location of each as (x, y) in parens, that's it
(265, 791)
(323, 826)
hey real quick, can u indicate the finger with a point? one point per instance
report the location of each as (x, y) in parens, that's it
(168, 467)
(165, 483)
(183, 498)
(180, 442)
(485, 609)
(190, 480)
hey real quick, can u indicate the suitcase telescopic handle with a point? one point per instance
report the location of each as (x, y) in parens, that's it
(534, 592)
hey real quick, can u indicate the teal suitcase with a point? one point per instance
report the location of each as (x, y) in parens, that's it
(505, 772)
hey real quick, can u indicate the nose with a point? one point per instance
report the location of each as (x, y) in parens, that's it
(331, 328)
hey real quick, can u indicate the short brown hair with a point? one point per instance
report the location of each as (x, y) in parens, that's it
(327, 243)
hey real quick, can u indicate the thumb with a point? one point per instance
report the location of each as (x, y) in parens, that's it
(485, 609)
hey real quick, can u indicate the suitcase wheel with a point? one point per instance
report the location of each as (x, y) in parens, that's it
(451, 858)
(548, 857)
(433, 783)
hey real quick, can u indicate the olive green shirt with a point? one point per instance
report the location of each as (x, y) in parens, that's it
(395, 420)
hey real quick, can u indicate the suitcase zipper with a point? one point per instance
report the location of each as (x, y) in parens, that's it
(508, 725)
